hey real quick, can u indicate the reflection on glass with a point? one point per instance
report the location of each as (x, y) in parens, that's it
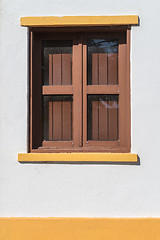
(102, 117)
(57, 62)
(57, 118)
(102, 62)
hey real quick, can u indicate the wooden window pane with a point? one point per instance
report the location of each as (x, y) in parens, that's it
(57, 62)
(57, 118)
(102, 62)
(103, 117)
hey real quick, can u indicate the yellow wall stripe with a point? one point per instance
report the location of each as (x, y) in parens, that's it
(72, 21)
(79, 229)
(77, 157)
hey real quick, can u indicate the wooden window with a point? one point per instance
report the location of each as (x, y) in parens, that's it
(79, 91)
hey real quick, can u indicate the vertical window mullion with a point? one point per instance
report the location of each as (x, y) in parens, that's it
(84, 93)
(77, 94)
(123, 96)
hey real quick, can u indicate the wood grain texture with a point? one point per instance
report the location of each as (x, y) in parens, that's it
(57, 77)
(57, 120)
(57, 90)
(50, 69)
(113, 120)
(95, 121)
(112, 68)
(103, 126)
(102, 68)
(67, 120)
(50, 120)
(95, 69)
(66, 69)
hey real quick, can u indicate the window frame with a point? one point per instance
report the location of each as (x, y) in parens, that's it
(79, 73)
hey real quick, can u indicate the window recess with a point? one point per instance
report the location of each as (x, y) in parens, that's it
(79, 91)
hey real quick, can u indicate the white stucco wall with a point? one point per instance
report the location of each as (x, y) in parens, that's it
(80, 190)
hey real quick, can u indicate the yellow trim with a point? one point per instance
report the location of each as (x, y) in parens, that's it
(79, 228)
(74, 21)
(77, 157)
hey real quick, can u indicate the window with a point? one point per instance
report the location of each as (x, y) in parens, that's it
(79, 91)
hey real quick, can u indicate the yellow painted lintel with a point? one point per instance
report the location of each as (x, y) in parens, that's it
(77, 157)
(80, 228)
(75, 21)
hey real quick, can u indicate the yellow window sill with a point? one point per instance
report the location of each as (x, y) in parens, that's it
(78, 157)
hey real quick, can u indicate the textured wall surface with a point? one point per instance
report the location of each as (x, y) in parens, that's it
(80, 190)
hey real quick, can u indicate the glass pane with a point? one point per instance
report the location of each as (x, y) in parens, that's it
(57, 118)
(102, 62)
(103, 117)
(57, 62)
